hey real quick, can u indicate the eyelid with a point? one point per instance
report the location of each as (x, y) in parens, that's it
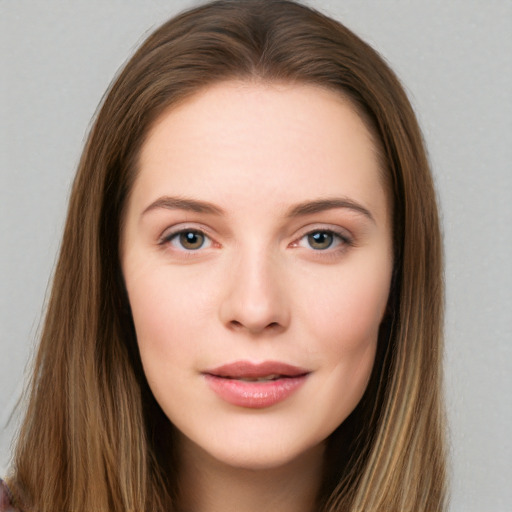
(173, 231)
(342, 233)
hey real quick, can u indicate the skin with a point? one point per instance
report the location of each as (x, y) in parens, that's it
(259, 288)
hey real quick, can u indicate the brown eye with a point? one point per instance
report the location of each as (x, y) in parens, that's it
(320, 240)
(191, 240)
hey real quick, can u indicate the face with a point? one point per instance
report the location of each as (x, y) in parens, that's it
(257, 257)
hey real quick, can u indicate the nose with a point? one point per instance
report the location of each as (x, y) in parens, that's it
(255, 300)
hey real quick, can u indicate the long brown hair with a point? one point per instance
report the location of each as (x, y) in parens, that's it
(93, 437)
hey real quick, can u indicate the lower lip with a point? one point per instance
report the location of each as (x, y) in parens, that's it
(254, 395)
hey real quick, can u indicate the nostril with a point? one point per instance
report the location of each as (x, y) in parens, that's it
(237, 325)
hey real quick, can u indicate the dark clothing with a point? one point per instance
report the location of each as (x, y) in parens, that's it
(6, 499)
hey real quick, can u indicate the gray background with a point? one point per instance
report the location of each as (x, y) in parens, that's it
(454, 58)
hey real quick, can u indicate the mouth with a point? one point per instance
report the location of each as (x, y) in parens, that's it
(247, 371)
(255, 386)
(266, 378)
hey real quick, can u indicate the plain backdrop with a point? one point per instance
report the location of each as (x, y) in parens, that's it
(455, 60)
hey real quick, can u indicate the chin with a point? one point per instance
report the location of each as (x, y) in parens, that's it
(252, 454)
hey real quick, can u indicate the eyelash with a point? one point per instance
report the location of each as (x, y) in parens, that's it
(340, 240)
(175, 235)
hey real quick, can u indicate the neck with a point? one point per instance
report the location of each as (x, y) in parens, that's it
(208, 485)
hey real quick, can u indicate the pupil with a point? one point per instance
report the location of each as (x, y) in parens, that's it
(191, 240)
(320, 240)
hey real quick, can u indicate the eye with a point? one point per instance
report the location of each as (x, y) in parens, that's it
(188, 240)
(321, 240)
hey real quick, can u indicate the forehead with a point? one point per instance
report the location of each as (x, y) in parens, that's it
(259, 140)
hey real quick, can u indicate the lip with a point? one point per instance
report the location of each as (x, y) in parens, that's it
(228, 382)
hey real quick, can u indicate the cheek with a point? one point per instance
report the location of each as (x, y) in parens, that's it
(166, 318)
(347, 315)
(343, 326)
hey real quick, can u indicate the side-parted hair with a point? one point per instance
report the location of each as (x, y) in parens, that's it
(94, 438)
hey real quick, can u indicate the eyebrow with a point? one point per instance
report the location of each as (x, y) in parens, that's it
(301, 209)
(321, 205)
(180, 203)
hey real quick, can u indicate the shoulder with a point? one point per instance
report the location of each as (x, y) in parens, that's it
(6, 498)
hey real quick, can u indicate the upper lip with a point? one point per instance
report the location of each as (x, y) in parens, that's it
(249, 370)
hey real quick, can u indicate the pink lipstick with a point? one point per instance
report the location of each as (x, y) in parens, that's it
(255, 386)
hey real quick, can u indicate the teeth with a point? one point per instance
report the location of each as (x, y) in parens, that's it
(267, 378)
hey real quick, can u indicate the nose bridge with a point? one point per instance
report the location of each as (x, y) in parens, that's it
(255, 299)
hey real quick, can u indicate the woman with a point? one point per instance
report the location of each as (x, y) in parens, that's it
(247, 309)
